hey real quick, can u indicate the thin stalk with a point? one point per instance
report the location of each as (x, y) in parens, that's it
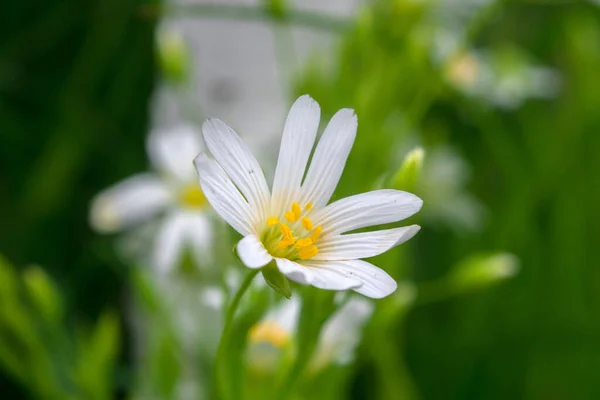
(220, 381)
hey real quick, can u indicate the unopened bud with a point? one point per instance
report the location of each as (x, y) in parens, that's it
(173, 55)
(407, 176)
(480, 271)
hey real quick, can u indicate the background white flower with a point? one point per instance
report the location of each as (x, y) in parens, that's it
(294, 226)
(340, 334)
(171, 192)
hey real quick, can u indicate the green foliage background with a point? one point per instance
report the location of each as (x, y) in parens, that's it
(75, 81)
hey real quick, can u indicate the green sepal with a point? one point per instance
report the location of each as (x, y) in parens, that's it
(276, 280)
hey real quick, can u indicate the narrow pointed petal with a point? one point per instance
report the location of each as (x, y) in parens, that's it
(367, 209)
(330, 158)
(252, 252)
(297, 142)
(312, 274)
(172, 151)
(376, 283)
(232, 154)
(129, 202)
(199, 238)
(168, 244)
(363, 245)
(223, 196)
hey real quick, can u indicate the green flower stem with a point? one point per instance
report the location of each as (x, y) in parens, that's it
(221, 384)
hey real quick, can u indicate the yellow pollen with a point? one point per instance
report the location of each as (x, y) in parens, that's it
(307, 252)
(308, 206)
(192, 196)
(283, 243)
(296, 210)
(272, 221)
(315, 235)
(307, 223)
(290, 216)
(269, 332)
(286, 231)
(300, 243)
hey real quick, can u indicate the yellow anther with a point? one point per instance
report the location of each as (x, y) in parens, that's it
(285, 242)
(307, 223)
(296, 209)
(315, 235)
(272, 221)
(307, 252)
(300, 243)
(308, 206)
(286, 231)
(290, 216)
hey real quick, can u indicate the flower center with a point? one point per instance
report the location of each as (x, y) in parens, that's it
(269, 332)
(293, 240)
(191, 196)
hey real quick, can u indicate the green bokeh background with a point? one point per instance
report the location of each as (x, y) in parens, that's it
(75, 83)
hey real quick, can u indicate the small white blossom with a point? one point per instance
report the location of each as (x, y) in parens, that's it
(292, 224)
(171, 192)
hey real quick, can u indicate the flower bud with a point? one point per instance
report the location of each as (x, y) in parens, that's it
(407, 176)
(173, 55)
(482, 270)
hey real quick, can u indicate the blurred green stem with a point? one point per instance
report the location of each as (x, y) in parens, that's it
(221, 384)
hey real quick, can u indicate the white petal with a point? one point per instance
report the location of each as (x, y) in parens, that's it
(239, 164)
(199, 237)
(169, 243)
(330, 158)
(363, 245)
(341, 333)
(376, 283)
(285, 314)
(128, 202)
(312, 274)
(367, 209)
(297, 142)
(223, 196)
(252, 252)
(172, 151)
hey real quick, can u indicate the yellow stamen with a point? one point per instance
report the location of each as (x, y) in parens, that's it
(283, 243)
(272, 221)
(296, 210)
(285, 230)
(290, 216)
(308, 206)
(307, 252)
(300, 243)
(307, 223)
(315, 235)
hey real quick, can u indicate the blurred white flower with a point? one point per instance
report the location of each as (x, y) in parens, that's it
(342, 333)
(293, 225)
(504, 77)
(171, 193)
(277, 332)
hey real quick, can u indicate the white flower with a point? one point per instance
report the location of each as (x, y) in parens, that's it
(293, 225)
(173, 191)
(337, 341)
